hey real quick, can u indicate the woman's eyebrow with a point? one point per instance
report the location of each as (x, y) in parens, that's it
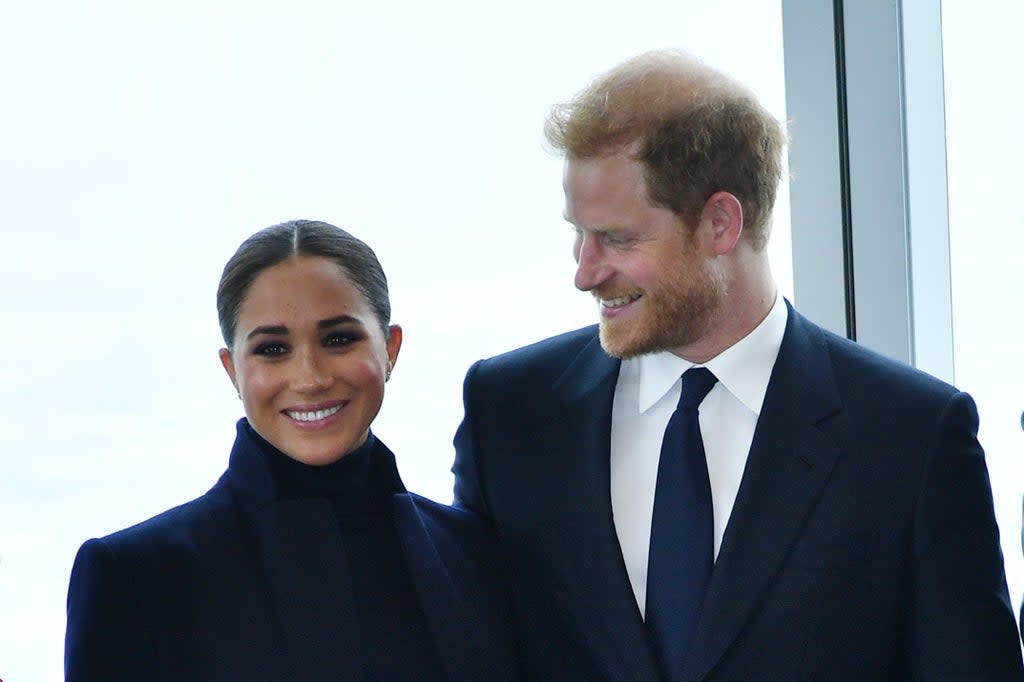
(276, 330)
(281, 330)
(340, 319)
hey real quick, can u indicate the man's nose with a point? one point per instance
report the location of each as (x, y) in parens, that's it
(591, 266)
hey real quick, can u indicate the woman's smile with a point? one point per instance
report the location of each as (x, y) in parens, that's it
(315, 416)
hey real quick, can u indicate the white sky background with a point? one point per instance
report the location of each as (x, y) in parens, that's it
(142, 141)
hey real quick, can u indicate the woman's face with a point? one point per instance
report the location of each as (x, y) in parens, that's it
(309, 359)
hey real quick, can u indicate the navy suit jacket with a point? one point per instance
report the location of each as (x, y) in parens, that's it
(862, 544)
(241, 585)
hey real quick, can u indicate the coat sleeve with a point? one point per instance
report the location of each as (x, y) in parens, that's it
(963, 627)
(105, 638)
(469, 492)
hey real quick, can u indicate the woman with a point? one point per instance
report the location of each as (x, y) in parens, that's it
(307, 560)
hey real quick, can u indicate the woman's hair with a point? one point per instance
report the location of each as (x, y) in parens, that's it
(277, 243)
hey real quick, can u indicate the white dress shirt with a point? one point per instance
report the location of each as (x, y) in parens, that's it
(646, 395)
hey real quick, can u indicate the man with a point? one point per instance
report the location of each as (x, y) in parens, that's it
(821, 512)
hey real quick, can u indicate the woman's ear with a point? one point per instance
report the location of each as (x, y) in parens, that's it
(393, 344)
(229, 367)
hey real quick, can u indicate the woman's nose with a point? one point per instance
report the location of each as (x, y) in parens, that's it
(311, 376)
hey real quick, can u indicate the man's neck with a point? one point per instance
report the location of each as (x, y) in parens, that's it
(749, 298)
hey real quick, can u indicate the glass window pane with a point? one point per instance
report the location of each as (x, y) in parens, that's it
(983, 113)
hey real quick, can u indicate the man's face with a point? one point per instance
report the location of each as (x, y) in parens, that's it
(656, 287)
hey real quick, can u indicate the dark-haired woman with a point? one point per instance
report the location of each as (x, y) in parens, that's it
(308, 560)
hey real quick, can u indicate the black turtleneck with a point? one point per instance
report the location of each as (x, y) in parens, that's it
(395, 642)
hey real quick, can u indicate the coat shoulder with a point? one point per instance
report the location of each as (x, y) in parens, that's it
(459, 524)
(175, 530)
(863, 371)
(541, 358)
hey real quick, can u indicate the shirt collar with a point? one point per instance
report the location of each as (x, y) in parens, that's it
(743, 369)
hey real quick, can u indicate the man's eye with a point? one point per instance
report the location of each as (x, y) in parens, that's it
(613, 239)
(270, 350)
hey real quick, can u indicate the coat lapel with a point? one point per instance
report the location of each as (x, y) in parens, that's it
(451, 620)
(305, 569)
(308, 579)
(599, 595)
(789, 463)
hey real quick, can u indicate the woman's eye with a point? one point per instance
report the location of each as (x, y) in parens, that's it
(338, 339)
(270, 350)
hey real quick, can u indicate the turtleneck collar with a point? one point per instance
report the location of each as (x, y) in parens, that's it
(364, 478)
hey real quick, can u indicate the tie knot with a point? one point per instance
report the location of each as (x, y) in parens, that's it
(697, 382)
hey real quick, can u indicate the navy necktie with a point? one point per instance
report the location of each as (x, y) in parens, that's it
(682, 546)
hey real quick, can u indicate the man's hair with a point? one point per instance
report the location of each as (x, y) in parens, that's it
(695, 130)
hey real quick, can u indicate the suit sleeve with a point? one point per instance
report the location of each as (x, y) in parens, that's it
(963, 623)
(105, 638)
(469, 491)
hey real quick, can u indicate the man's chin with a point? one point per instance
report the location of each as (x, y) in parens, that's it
(620, 345)
(637, 340)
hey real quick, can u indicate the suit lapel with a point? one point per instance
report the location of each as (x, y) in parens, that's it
(790, 461)
(593, 574)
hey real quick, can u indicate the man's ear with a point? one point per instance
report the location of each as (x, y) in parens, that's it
(724, 212)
